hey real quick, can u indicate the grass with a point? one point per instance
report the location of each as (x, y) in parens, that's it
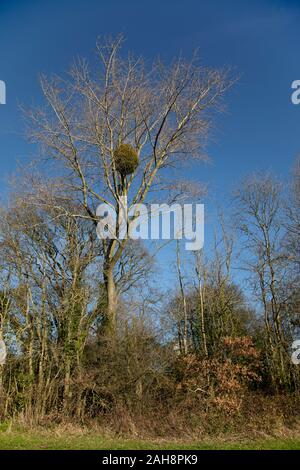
(46, 441)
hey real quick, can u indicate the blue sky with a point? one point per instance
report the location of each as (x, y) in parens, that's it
(260, 39)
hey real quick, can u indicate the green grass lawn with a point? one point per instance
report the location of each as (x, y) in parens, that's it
(23, 441)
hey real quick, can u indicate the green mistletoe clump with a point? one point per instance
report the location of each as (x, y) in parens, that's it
(126, 159)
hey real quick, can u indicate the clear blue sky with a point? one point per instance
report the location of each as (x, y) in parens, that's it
(259, 38)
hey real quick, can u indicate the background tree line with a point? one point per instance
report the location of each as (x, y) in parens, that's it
(89, 333)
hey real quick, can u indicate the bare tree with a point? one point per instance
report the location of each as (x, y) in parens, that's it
(292, 242)
(159, 116)
(184, 329)
(261, 221)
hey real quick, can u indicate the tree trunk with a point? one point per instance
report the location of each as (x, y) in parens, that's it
(111, 301)
(1, 393)
(184, 304)
(202, 320)
(67, 385)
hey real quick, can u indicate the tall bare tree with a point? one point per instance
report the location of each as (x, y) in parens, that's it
(160, 115)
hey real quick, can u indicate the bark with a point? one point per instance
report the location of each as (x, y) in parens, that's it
(111, 301)
(184, 304)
